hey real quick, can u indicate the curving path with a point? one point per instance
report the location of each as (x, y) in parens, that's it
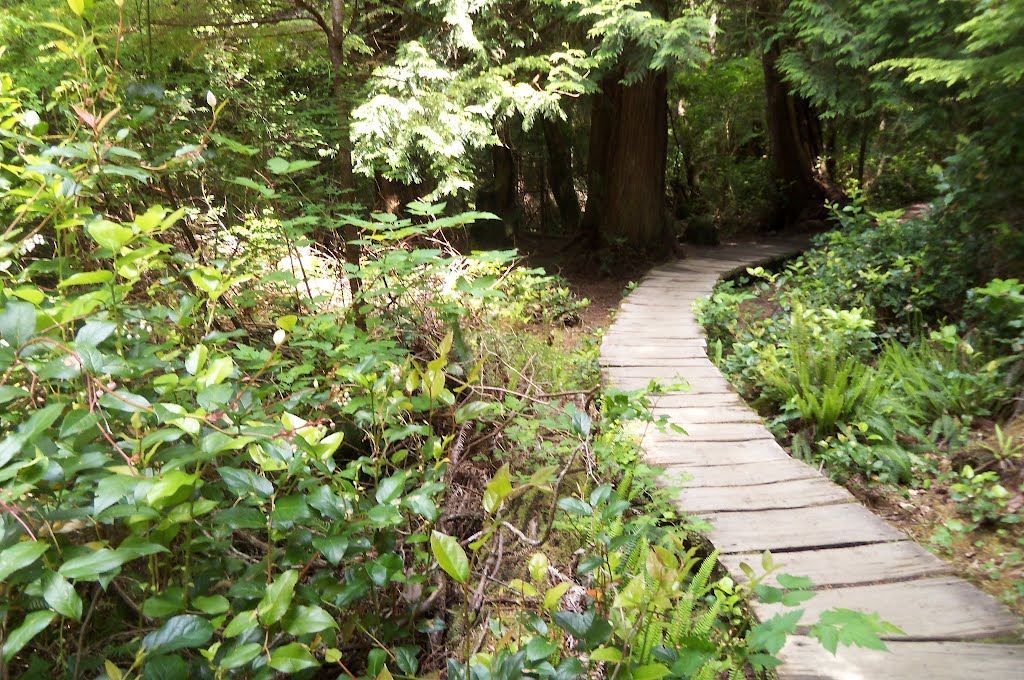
(756, 497)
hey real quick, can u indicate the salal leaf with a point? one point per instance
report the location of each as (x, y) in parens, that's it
(33, 624)
(19, 556)
(277, 598)
(180, 632)
(61, 595)
(450, 555)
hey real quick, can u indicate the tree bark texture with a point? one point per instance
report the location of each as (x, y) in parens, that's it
(626, 166)
(796, 144)
(559, 173)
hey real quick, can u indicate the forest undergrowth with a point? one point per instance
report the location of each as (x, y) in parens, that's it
(897, 368)
(252, 434)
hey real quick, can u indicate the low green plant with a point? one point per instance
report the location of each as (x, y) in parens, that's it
(942, 375)
(719, 313)
(982, 497)
(997, 310)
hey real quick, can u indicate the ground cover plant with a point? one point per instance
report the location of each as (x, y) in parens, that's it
(897, 369)
(231, 451)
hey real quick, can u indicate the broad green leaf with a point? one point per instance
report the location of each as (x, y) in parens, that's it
(219, 371)
(33, 624)
(29, 294)
(789, 581)
(241, 655)
(538, 648)
(581, 423)
(19, 556)
(94, 332)
(553, 597)
(304, 620)
(242, 482)
(606, 654)
(211, 604)
(90, 567)
(390, 488)
(450, 555)
(77, 6)
(471, 410)
(407, 657)
(61, 595)
(10, 393)
(277, 598)
(523, 588)
(109, 235)
(87, 278)
(17, 323)
(538, 567)
(242, 622)
(651, 671)
(180, 632)
(292, 658)
(575, 506)
(278, 166)
(497, 489)
(196, 359)
(169, 488)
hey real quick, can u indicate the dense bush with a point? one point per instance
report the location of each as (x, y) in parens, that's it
(854, 361)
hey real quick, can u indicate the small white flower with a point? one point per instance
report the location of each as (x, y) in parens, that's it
(211, 99)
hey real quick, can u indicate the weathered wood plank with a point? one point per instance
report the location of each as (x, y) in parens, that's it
(693, 374)
(687, 416)
(798, 528)
(697, 358)
(716, 432)
(688, 399)
(779, 496)
(704, 386)
(803, 658)
(939, 608)
(854, 565)
(764, 473)
(724, 454)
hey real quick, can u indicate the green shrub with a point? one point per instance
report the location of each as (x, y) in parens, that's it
(941, 376)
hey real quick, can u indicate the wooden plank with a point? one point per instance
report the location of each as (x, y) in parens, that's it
(687, 416)
(724, 454)
(780, 496)
(696, 358)
(939, 608)
(822, 526)
(854, 565)
(717, 432)
(747, 474)
(687, 399)
(704, 386)
(700, 372)
(803, 658)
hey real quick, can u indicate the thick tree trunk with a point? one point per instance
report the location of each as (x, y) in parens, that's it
(626, 167)
(501, 197)
(560, 174)
(796, 145)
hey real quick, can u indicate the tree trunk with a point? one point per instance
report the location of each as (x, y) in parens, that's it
(501, 197)
(560, 174)
(796, 145)
(626, 166)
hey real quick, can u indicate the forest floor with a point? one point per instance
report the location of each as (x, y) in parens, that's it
(991, 558)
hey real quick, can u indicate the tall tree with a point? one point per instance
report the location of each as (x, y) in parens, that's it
(626, 198)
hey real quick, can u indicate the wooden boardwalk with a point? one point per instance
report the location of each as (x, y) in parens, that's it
(756, 497)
